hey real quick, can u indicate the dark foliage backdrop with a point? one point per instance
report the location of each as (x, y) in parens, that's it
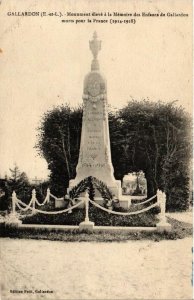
(151, 136)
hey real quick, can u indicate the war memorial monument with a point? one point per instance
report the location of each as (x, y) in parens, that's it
(95, 154)
(95, 166)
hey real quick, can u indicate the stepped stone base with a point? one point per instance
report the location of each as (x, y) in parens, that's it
(161, 226)
(86, 225)
(13, 221)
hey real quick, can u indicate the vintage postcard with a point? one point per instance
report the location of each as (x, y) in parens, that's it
(96, 150)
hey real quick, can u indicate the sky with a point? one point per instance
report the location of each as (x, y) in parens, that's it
(43, 63)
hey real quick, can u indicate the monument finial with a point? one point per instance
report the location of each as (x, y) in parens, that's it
(95, 47)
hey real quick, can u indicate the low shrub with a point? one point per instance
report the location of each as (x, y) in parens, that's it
(100, 218)
(155, 210)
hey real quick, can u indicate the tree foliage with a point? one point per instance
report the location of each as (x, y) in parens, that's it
(155, 138)
(4, 195)
(58, 142)
(18, 182)
(149, 136)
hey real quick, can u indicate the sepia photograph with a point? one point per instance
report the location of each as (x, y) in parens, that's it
(96, 166)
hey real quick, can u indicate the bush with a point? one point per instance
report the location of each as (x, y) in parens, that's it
(100, 218)
(155, 210)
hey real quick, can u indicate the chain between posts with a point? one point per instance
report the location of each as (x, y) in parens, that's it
(161, 201)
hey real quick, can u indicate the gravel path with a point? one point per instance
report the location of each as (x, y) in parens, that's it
(186, 217)
(131, 270)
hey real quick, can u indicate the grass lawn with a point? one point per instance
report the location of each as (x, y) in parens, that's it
(180, 230)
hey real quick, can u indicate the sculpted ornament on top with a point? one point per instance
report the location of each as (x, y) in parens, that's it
(94, 88)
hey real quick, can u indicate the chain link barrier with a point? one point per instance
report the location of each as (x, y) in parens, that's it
(146, 201)
(46, 200)
(31, 205)
(18, 202)
(123, 214)
(56, 198)
(59, 211)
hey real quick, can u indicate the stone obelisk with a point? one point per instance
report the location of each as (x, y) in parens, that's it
(95, 155)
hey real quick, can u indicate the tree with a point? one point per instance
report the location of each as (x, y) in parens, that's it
(41, 189)
(58, 142)
(155, 138)
(4, 195)
(18, 182)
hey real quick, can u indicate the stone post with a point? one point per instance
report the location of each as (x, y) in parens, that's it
(159, 196)
(14, 202)
(87, 224)
(87, 208)
(33, 201)
(48, 195)
(12, 219)
(163, 225)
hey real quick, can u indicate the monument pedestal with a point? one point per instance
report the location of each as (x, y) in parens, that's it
(125, 202)
(113, 185)
(60, 203)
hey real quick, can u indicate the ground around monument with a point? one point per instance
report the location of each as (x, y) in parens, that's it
(179, 230)
(126, 270)
(182, 216)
